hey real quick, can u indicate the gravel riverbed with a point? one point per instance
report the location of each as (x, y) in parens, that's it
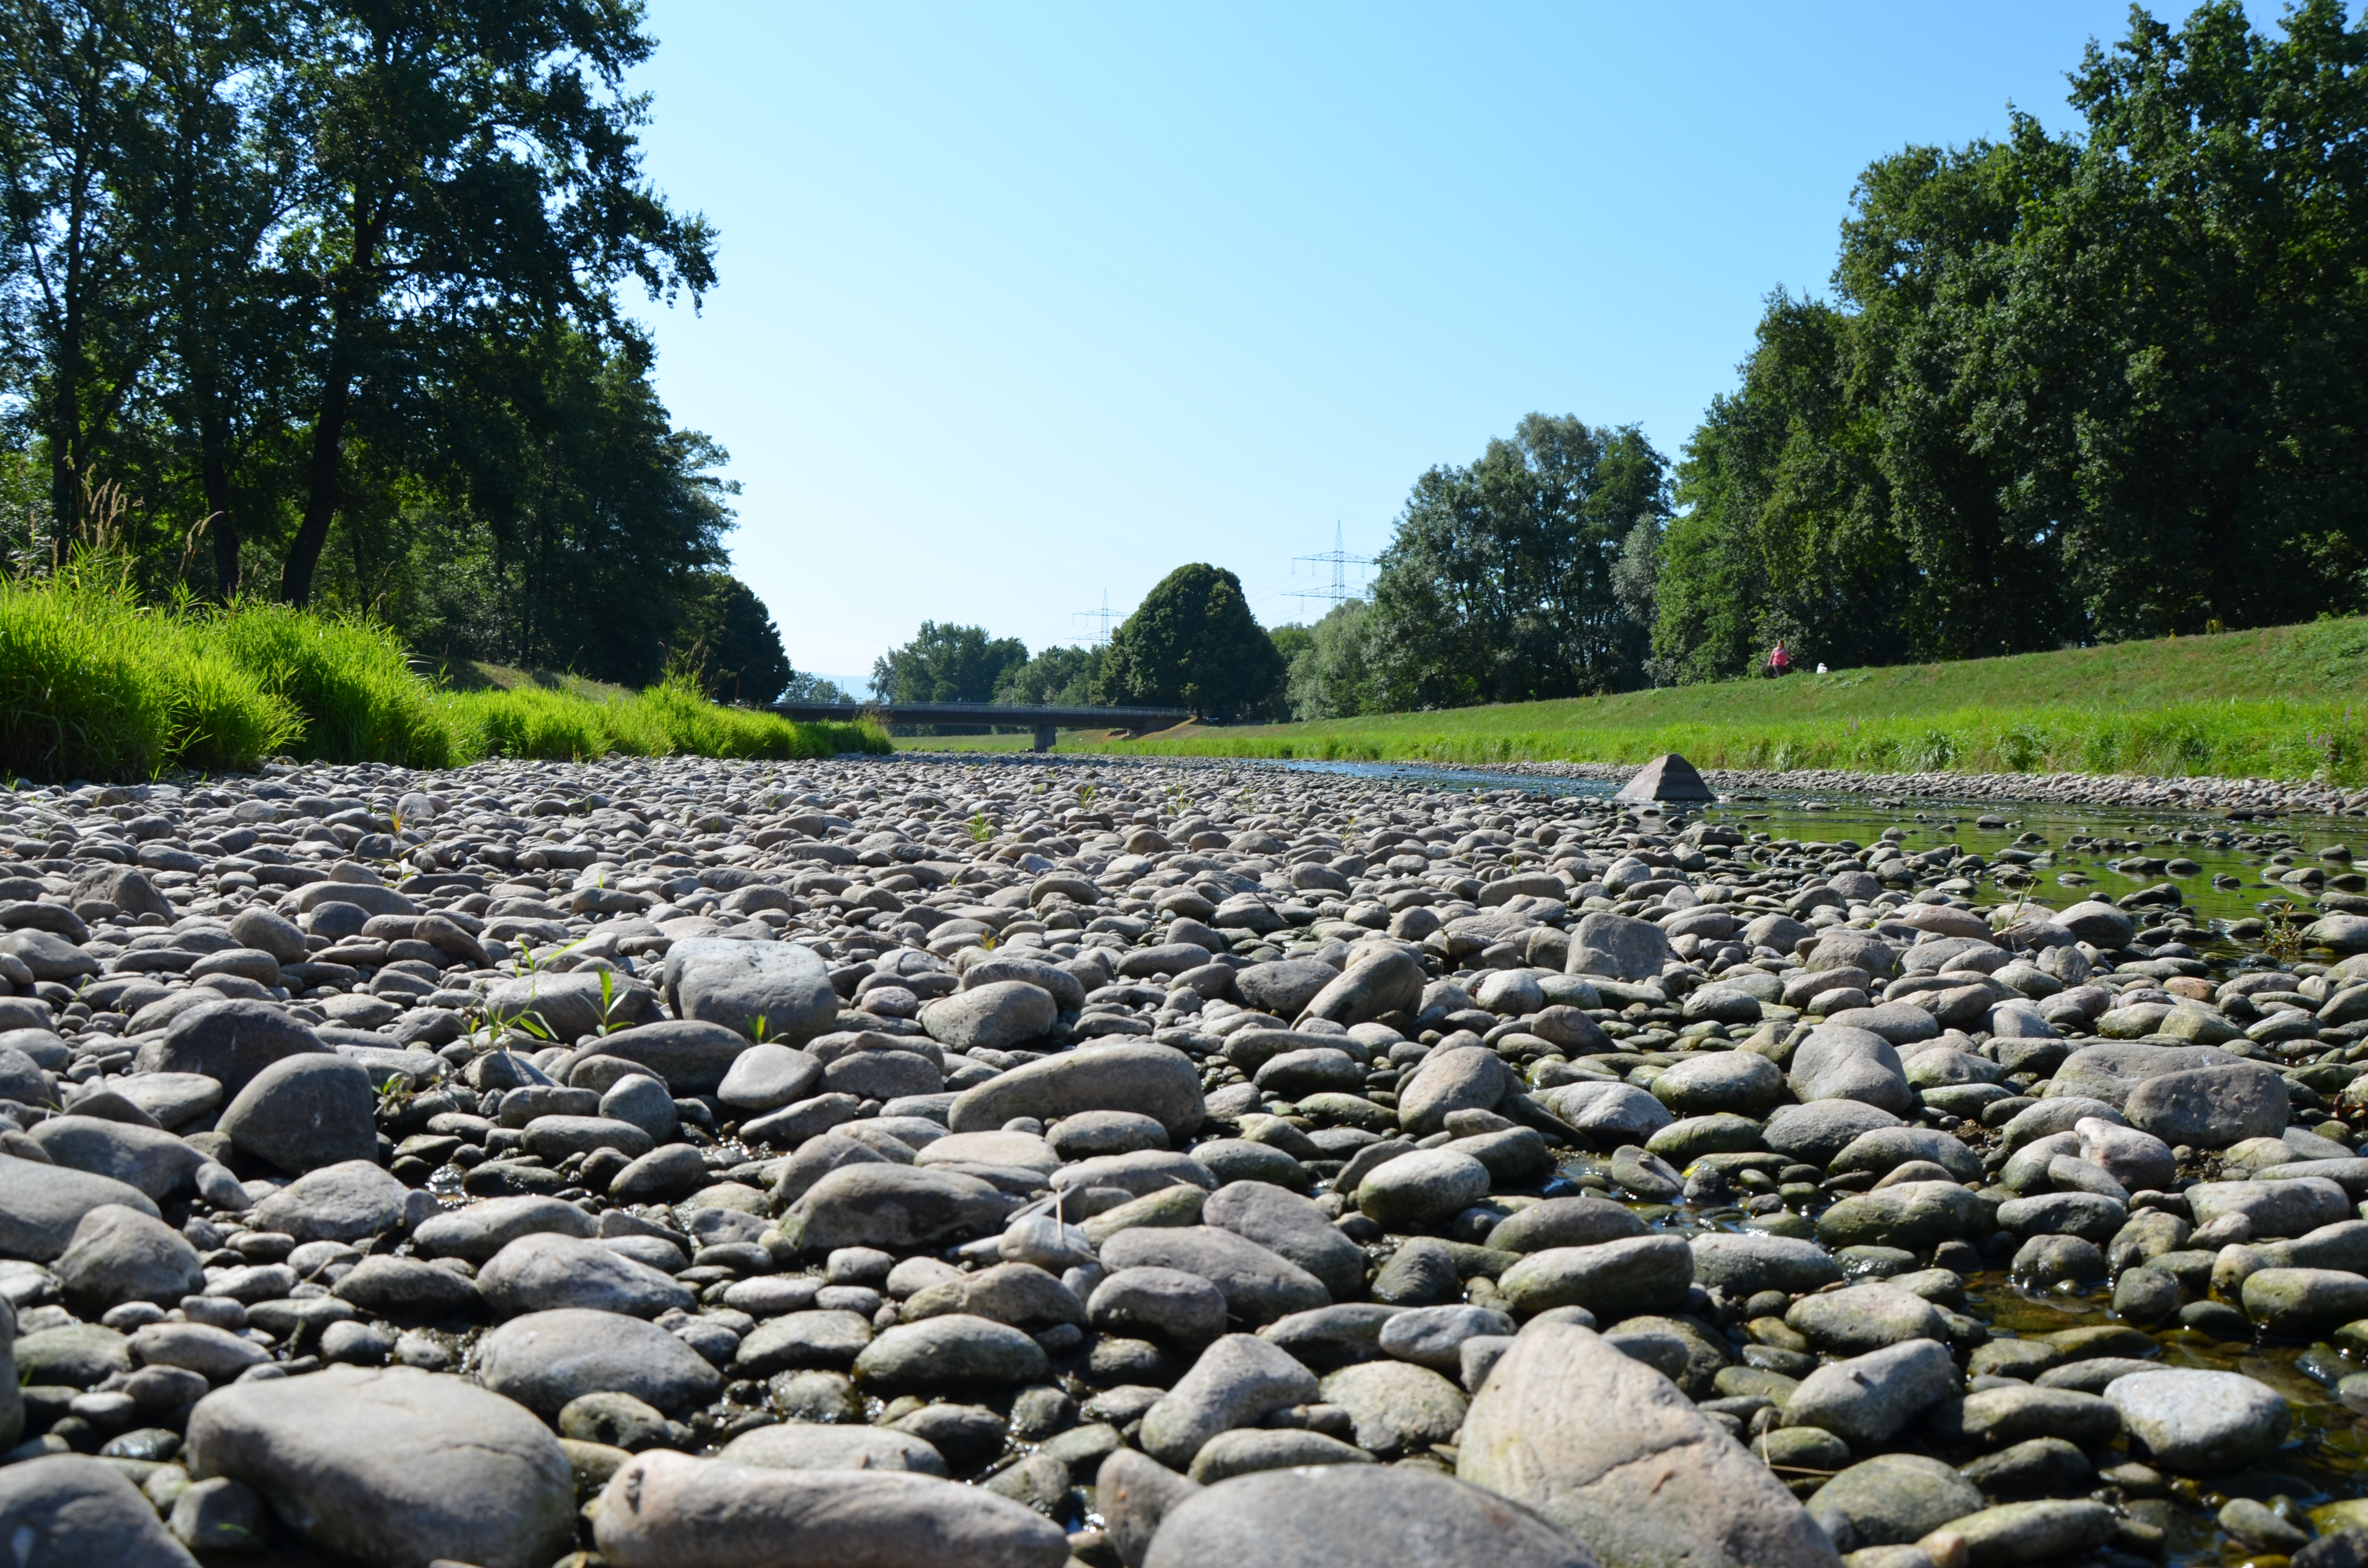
(924, 1160)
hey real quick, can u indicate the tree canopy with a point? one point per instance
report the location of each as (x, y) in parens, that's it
(1193, 643)
(2070, 387)
(945, 663)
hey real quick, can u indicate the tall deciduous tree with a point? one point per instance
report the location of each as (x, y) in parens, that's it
(946, 663)
(473, 171)
(1192, 643)
(1500, 583)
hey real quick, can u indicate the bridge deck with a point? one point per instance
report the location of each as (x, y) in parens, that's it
(1043, 721)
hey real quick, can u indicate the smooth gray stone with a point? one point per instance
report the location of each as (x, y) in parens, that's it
(1741, 1264)
(148, 1158)
(1348, 1516)
(693, 1056)
(1236, 1381)
(1565, 1222)
(230, 1041)
(1166, 1301)
(1867, 1400)
(665, 1510)
(304, 1112)
(954, 1351)
(120, 1254)
(766, 1078)
(806, 1445)
(1396, 1407)
(545, 1272)
(1259, 1285)
(889, 1205)
(483, 1229)
(1609, 1449)
(393, 1465)
(67, 1511)
(544, 1360)
(1893, 1500)
(341, 1203)
(1611, 1280)
(1150, 1080)
(569, 1006)
(41, 1205)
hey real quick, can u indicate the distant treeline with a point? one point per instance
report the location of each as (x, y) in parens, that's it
(2068, 388)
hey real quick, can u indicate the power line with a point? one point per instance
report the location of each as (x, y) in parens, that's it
(1339, 560)
(1101, 637)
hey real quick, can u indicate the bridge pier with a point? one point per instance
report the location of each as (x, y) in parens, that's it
(1045, 735)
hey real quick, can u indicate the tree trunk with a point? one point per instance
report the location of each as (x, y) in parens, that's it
(321, 498)
(329, 431)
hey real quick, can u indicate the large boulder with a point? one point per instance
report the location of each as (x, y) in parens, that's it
(303, 1112)
(1608, 1449)
(67, 1511)
(230, 1043)
(1150, 1080)
(120, 1254)
(1352, 1515)
(891, 1206)
(43, 1205)
(773, 991)
(545, 1272)
(665, 1510)
(544, 1360)
(341, 1203)
(392, 1466)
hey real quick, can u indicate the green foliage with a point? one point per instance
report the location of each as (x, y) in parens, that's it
(1504, 581)
(351, 680)
(92, 685)
(813, 688)
(1057, 677)
(2072, 388)
(329, 291)
(2221, 706)
(735, 644)
(95, 684)
(1192, 643)
(1331, 674)
(945, 663)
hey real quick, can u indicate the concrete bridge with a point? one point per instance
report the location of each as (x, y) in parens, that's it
(1135, 722)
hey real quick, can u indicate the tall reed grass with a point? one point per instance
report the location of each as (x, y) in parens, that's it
(94, 683)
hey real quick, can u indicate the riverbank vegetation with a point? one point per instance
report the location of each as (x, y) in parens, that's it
(96, 684)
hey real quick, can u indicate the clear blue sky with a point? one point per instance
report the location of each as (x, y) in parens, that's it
(1022, 304)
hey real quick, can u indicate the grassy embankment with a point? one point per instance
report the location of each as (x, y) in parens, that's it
(2283, 702)
(95, 684)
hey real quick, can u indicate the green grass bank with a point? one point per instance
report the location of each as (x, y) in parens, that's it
(2289, 703)
(96, 685)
